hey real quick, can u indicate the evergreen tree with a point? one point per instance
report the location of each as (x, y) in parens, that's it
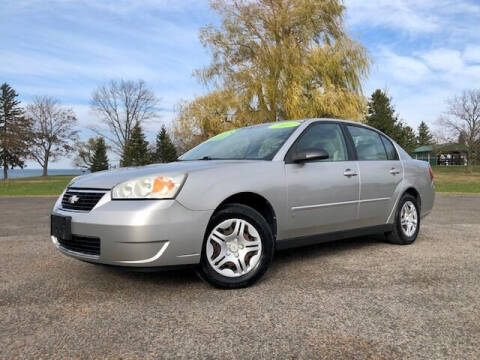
(165, 150)
(99, 158)
(424, 137)
(406, 137)
(14, 131)
(381, 114)
(136, 150)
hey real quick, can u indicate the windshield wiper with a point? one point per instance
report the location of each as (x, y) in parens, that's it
(202, 158)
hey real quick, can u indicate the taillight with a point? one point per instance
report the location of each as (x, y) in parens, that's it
(430, 172)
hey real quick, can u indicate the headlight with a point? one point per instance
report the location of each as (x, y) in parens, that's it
(149, 187)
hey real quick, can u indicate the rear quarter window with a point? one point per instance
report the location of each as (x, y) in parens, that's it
(403, 154)
(390, 148)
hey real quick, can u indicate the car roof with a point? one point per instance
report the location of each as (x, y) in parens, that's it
(312, 120)
(306, 122)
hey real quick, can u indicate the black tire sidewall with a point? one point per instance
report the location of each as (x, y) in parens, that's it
(398, 227)
(258, 221)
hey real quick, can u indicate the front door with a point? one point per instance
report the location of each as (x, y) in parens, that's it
(322, 195)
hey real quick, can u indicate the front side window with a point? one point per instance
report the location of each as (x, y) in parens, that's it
(368, 144)
(327, 137)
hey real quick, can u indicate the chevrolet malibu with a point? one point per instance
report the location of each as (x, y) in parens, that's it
(226, 205)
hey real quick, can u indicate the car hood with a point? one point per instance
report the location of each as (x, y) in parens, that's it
(108, 179)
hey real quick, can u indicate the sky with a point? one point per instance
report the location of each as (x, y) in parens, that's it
(423, 51)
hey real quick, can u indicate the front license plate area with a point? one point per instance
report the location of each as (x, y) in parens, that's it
(61, 227)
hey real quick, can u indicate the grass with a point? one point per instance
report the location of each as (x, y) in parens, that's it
(50, 185)
(457, 179)
(450, 179)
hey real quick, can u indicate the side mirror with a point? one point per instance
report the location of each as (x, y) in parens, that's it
(310, 155)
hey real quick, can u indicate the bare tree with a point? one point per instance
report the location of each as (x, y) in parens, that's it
(53, 130)
(84, 153)
(463, 118)
(121, 106)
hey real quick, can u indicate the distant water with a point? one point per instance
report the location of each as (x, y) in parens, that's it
(21, 173)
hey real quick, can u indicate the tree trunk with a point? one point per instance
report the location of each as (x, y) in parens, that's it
(5, 172)
(45, 168)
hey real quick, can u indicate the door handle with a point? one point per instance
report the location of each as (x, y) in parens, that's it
(394, 171)
(349, 173)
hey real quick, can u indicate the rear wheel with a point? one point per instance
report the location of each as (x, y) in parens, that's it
(237, 249)
(407, 222)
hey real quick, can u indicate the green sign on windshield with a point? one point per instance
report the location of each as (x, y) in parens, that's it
(223, 135)
(284, 124)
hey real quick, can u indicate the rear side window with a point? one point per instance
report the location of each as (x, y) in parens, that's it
(391, 152)
(368, 144)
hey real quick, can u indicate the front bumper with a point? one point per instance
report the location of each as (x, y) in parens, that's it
(139, 233)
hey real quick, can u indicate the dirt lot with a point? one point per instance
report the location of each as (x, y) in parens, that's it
(359, 298)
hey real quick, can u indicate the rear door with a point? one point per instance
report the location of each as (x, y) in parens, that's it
(380, 174)
(322, 195)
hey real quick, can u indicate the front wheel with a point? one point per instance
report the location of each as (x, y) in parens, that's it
(237, 249)
(407, 222)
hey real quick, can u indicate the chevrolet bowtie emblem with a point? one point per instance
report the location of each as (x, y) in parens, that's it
(73, 199)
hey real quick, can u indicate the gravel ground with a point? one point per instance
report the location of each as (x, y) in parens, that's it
(358, 298)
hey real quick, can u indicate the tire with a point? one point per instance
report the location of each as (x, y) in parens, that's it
(403, 234)
(245, 258)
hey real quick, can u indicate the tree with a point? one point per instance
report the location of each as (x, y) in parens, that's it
(121, 106)
(14, 131)
(462, 118)
(52, 130)
(205, 117)
(84, 153)
(136, 150)
(99, 159)
(165, 150)
(92, 155)
(425, 136)
(282, 59)
(405, 137)
(381, 114)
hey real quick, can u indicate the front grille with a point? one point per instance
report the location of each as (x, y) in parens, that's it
(82, 244)
(81, 200)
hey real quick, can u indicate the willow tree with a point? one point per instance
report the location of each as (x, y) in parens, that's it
(205, 117)
(283, 59)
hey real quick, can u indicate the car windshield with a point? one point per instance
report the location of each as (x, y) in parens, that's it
(259, 142)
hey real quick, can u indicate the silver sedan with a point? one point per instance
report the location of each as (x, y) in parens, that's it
(226, 205)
